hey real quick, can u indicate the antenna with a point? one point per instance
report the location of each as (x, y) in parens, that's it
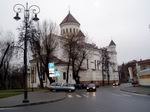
(69, 9)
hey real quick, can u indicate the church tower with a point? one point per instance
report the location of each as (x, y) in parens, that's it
(113, 61)
(69, 25)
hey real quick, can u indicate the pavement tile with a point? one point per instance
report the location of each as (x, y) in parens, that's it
(39, 97)
(137, 89)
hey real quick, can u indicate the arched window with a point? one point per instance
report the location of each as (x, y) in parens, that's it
(66, 30)
(74, 30)
(70, 30)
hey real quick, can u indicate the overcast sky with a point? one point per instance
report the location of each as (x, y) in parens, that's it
(124, 21)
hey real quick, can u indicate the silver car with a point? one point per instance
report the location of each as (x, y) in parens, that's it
(56, 86)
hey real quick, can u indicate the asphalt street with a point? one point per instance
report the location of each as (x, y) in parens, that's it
(105, 99)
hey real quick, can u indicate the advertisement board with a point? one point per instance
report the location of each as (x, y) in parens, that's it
(52, 70)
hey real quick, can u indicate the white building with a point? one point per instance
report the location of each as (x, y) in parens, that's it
(92, 65)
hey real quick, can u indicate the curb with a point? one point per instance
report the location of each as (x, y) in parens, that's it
(37, 103)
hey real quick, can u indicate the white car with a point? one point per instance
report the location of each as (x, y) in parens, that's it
(56, 86)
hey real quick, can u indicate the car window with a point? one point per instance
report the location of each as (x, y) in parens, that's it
(58, 84)
(65, 84)
(53, 84)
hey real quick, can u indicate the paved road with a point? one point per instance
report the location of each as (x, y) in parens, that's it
(107, 99)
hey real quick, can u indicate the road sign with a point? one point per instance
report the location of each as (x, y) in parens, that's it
(51, 67)
(52, 70)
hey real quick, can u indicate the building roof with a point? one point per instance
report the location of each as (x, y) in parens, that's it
(144, 62)
(80, 34)
(112, 43)
(52, 58)
(69, 19)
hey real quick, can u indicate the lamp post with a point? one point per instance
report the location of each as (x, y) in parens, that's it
(34, 9)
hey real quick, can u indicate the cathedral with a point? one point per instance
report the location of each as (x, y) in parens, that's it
(93, 67)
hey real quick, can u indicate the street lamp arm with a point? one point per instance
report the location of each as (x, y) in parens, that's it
(35, 9)
(18, 7)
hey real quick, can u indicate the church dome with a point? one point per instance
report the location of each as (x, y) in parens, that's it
(69, 19)
(112, 43)
(69, 25)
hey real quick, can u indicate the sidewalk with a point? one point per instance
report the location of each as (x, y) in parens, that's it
(35, 98)
(137, 89)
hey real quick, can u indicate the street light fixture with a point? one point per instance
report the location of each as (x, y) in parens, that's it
(34, 9)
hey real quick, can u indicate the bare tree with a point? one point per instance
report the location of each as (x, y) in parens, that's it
(6, 52)
(75, 48)
(105, 65)
(43, 44)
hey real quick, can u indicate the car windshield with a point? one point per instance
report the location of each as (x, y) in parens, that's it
(56, 84)
(65, 84)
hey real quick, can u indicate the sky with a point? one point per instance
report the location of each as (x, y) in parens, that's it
(126, 22)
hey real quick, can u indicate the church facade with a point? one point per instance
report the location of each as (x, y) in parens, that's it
(93, 67)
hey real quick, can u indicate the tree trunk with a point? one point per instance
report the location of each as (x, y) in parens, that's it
(40, 75)
(68, 66)
(6, 66)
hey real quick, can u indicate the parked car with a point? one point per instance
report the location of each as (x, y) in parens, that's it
(91, 87)
(62, 87)
(80, 86)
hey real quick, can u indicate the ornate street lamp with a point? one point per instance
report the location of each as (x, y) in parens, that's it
(34, 9)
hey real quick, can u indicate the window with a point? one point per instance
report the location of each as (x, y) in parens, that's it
(64, 75)
(98, 64)
(66, 30)
(87, 64)
(74, 30)
(70, 30)
(95, 64)
(33, 75)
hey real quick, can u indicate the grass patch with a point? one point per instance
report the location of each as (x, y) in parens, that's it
(8, 93)
(13, 92)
